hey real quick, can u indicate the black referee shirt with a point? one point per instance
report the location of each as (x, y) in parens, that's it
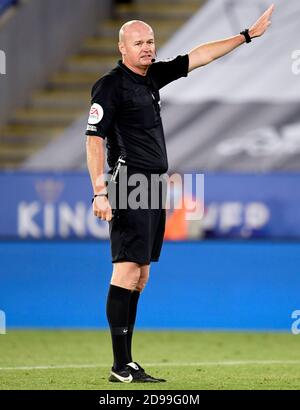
(126, 111)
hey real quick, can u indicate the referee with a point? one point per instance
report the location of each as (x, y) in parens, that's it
(126, 112)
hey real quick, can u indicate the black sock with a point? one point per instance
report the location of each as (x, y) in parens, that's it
(131, 319)
(117, 309)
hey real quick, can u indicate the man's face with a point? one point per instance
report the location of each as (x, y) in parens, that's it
(138, 47)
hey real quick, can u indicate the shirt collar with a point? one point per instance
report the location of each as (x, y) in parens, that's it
(137, 77)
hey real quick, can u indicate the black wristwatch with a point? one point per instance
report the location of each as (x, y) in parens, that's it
(246, 34)
(99, 195)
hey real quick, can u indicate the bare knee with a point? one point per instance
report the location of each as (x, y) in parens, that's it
(141, 285)
(144, 277)
(126, 275)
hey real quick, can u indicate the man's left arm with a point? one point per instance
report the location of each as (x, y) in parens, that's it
(208, 52)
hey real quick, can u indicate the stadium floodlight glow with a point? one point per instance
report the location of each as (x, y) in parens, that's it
(2, 323)
(2, 62)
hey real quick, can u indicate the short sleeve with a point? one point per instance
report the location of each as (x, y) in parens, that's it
(166, 71)
(103, 106)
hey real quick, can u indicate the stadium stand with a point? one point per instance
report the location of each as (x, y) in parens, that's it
(240, 113)
(256, 102)
(65, 98)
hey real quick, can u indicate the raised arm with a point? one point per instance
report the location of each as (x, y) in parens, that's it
(208, 52)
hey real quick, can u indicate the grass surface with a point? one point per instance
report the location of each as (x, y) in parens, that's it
(188, 360)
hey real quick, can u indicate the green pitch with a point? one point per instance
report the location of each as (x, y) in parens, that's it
(188, 360)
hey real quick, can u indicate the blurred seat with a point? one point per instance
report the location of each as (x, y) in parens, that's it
(6, 4)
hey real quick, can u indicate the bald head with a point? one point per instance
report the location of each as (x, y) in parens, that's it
(136, 44)
(134, 26)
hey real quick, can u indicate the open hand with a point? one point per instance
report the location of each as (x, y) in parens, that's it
(262, 23)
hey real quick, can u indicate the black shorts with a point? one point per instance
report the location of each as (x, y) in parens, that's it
(136, 235)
